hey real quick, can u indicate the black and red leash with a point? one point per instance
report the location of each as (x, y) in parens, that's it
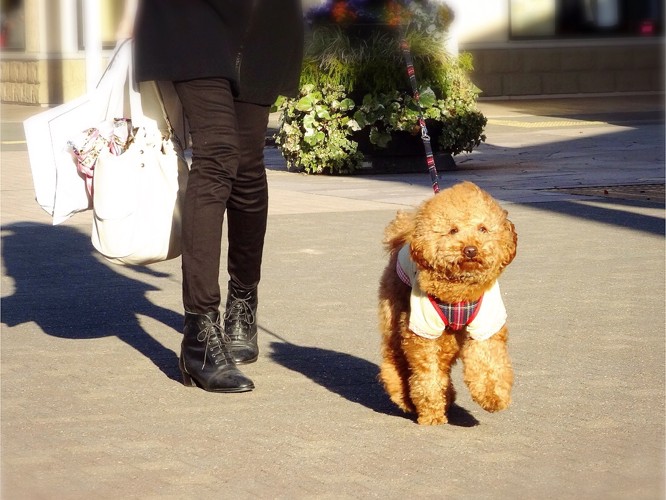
(430, 158)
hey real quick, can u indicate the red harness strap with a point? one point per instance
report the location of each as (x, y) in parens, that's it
(457, 316)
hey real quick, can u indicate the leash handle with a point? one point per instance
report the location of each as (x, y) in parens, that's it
(430, 158)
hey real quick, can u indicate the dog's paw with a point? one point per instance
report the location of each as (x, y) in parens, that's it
(432, 419)
(494, 402)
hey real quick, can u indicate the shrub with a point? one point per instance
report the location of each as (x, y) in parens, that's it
(315, 130)
(354, 78)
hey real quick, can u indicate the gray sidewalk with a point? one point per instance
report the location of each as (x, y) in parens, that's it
(92, 405)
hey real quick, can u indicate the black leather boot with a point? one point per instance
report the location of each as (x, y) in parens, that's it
(240, 323)
(205, 359)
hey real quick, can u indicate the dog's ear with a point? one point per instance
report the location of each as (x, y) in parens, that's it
(510, 242)
(398, 231)
(416, 252)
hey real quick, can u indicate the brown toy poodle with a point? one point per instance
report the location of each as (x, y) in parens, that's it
(439, 301)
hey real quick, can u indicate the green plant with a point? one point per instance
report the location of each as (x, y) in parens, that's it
(352, 59)
(459, 127)
(369, 60)
(315, 130)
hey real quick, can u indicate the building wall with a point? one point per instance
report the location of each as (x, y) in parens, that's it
(531, 70)
(51, 69)
(548, 64)
(42, 81)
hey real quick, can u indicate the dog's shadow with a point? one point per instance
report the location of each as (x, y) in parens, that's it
(351, 377)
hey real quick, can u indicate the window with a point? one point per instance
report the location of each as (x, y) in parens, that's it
(12, 25)
(532, 19)
(111, 12)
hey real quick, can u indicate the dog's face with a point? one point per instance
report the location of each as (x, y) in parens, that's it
(462, 235)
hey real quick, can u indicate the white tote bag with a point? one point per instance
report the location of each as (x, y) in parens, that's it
(59, 188)
(138, 195)
(138, 200)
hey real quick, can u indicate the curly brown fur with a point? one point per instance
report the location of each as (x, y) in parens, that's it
(415, 371)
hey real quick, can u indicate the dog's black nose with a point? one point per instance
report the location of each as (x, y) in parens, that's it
(470, 251)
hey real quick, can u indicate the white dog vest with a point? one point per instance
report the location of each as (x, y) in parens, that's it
(429, 317)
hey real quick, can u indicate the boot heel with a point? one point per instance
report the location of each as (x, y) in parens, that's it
(187, 380)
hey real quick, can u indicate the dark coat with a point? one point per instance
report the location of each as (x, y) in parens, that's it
(258, 49)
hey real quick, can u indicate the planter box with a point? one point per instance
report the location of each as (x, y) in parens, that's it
(402, 143)
(404, 154)
(405, 164)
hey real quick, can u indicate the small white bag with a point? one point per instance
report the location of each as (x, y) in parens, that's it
(138, 195)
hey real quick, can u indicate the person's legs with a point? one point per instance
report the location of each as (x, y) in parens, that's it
(205, 357)
(247, 211)
(211, 114)
(247, 208)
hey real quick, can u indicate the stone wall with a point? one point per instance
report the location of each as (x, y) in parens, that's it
(523, 71)
(41, 81)
(20, 81)
(519, 70)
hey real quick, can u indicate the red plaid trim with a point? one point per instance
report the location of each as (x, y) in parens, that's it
(457, 316)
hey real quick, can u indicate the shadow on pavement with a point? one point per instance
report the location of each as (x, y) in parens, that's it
(351, 377)
(612, 216)
(519, 160)
(62, 287)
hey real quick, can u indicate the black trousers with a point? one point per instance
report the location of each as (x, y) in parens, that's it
(227, 176)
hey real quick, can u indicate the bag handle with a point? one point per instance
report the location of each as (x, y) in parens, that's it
(165, 114)
(139, 119)
(115, 55)
(125, 89)
(115, 79)
(136, 107)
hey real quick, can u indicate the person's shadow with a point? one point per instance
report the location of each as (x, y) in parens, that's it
(351, 377)
(63, 288)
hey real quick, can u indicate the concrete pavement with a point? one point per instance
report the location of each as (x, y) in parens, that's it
(92, 405)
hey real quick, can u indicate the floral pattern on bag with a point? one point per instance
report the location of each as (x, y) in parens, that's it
(114, 136)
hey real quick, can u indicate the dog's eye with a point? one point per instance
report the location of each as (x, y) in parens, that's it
(483, 229)
(453, 230)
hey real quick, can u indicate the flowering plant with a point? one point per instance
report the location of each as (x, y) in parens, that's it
(355, 93)
(426, 16)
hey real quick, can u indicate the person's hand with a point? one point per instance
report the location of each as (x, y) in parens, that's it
(126, 26)
(125, 30)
